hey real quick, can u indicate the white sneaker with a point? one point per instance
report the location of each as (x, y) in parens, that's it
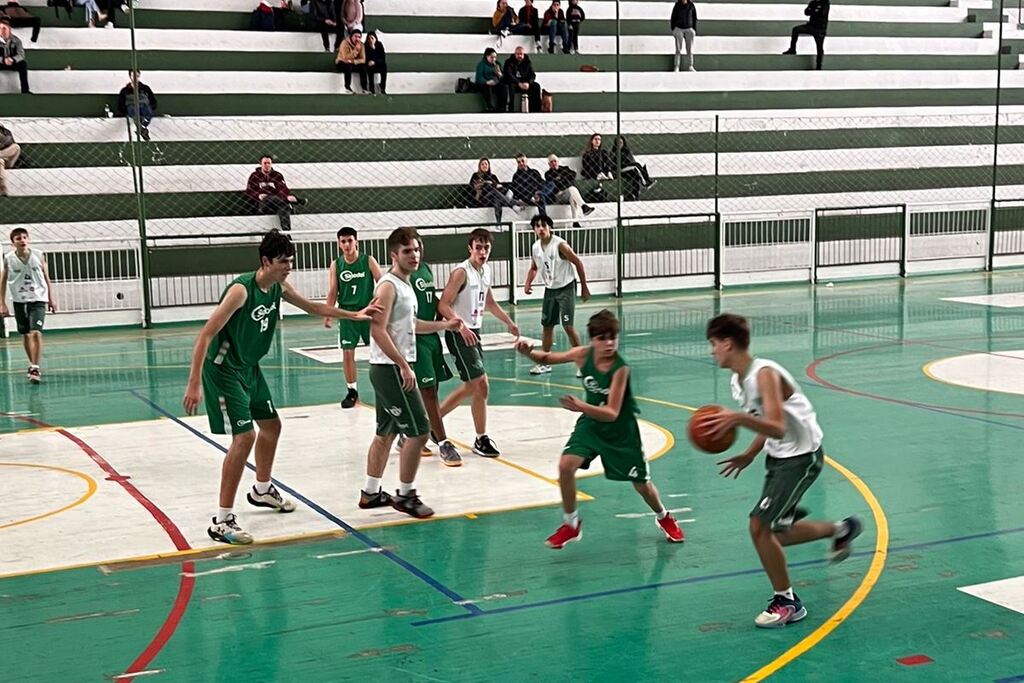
(271, 499)
(579, 372)
(539, 369)
(228, 531)
(692, 69)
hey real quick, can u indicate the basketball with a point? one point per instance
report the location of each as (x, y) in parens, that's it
(703, 441)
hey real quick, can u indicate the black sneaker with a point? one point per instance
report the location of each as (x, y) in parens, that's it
(485, 447)
(145, 133)
(842, 543)
(411, 505)
(587, 210)
(351, 398)
(381, 499)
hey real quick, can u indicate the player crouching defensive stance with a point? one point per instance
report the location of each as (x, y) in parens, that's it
(607, 427)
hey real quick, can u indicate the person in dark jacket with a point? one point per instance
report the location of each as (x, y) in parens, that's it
(574, 16)
(20, 18)
(490, 81)
(597, 163)
(487, 190)
(816, 27)
(326, 15)
(554, 23)
(268, 193)
(684, 28)
(12, 54)
(521, 80)
(529, 22)
(144, 105)
(566, 192)
(634, 174)
(376, 64)
(529, 187)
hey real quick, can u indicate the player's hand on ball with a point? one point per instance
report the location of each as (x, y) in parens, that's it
(717, 424)
(408, 378)
(573, 403)
(735, 465)
(193, 395)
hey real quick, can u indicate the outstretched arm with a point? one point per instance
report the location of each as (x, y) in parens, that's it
(573, 355)
(313, 308)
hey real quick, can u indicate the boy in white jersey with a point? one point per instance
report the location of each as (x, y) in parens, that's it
(466, 296)
(399, 405)
(558, 266)
(24, 269)
(787, 430)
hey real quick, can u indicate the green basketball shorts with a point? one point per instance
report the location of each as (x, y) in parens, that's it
(234, 398)
(430, 366)
(398, 411)
(621, 450)
(785, 481)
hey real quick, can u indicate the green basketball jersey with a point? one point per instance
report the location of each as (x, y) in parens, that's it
(597, 384)
(426, 296)
(246, 337)
(355, 282)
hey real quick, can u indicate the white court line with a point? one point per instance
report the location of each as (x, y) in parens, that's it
(676, 495)
(639, 334)
(147, 672)
(349, 552)
(1008, 593)
(639, 515)
(234, 568)
(528, 393)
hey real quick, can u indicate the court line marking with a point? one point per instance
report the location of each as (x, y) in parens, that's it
(90, 490)
(330, 516)
(930, 374)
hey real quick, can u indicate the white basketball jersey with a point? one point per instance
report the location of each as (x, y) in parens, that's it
(25, 278)
(803, 435)
(555, 271)
(401, 324)
(470, 302)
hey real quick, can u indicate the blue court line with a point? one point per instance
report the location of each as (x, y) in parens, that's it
(472, 609)
(1011, 679)
(705, 578)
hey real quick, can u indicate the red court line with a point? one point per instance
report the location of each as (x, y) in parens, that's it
(186, 584)
(812, 372)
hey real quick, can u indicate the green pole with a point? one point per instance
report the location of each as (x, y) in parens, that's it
(140, 190)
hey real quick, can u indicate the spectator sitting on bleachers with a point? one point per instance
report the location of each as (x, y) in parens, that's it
(521, 81)
(12, 54)
(816, 27)
(634, 174)
(487, 190)
(326, 17)
(269, 193)
(376, 64)
(574, 16)
(564, 180)
(92, 12)
(20, 18)
(503, 20)
(145, 105)
(529, 187)
(529, 22)
(9, 153)
(352, 57)
(554, 23)
(352, 16)
(489, 80)
(597, 163)
(684, 29)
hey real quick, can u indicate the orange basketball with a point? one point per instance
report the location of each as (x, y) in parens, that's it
(699, 436)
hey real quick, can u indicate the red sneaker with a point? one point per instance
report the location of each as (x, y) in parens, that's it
(673, 532)
(565, 534)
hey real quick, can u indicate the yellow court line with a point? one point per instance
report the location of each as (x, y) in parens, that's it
(859, 595)
(90, 490)
(930, 374)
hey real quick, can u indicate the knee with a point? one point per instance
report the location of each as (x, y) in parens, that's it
(482, 387)
(270, 428)
(759, 529)
(244, 441)
(567, 467)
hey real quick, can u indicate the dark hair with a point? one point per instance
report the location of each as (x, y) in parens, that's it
(354, 31)
(731, 327)
(348, 231)
(542, 218)
(480, 235)
(488, 51)
(5, 20)
(276, 244)
(519, 155)
(266, 156)
(603, 323)
(401, 237)
(18, 231)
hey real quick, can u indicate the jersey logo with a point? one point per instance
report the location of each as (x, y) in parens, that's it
(421, 284)
(632, 472)
(590, 384)
(394, 410)
(765, 503)
(426, 380)
(261, 314)
(348, 275)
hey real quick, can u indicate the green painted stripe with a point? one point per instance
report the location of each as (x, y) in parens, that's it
(444, 197)
(321, 62)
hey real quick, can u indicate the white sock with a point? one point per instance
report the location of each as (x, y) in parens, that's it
(572, 518)
(480, 436)
(222, 514)
(404, 489)
(786, 593)
(372, 485)
(33, 366)
(840, 529)
(351, 385)
(262, 487)
(663, 514)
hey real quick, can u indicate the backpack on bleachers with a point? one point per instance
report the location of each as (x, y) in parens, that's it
(547, 101)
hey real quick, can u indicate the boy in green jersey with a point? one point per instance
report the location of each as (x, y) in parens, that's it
(227, 371)
(352, 276)
(607, 428)
(393, 352)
